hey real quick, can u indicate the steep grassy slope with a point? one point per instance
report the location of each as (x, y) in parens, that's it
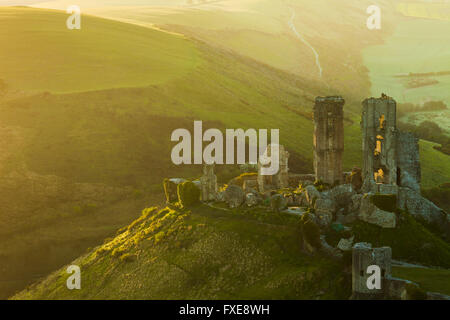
(39, 52)
(205, 253)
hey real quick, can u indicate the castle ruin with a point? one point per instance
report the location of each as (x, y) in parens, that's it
(379, 135)
(364, 256)
(279, 180)
(208, 183)
(390, 157)
(328, 139)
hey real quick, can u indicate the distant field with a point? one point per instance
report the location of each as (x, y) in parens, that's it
(427, 51)
(38, 53)
(441, 117)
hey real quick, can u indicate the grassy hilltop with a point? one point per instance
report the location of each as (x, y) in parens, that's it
(205, 253)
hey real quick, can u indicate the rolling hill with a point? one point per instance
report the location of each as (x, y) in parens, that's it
(209, 252)
(205, 253)
(39, 53)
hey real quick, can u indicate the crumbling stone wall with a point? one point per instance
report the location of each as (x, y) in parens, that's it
(379, 133)
(279, 180)
(328, 139)
(208, 183)
(408, 161)
(363, 256)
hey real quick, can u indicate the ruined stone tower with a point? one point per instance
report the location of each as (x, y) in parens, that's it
(208, 183)
(363, 256)
(328, 139)
(379, 133)
(279, 180)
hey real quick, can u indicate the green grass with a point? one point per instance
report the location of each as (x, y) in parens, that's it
(203, 254)
(409, 241)
(433, 280)
(435, 165)
(39, 52)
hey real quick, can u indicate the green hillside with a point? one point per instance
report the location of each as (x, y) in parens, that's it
(210, 252)
(263, 30)
(39, 53)
(201, 254)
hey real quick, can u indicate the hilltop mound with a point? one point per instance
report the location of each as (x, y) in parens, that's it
(205, 253)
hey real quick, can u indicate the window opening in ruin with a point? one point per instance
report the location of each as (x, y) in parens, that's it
(382, 121)
(378, 145)
(377, 148)
(379, 176)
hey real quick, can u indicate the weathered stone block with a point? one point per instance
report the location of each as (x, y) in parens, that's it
(363, 256)
(370, 213)
(328, 139)
(346, 244)
(251, 199)
(408, 160)
(342, 195)
(324, 209)
(420, 207)
(234, 196)
(278, 203)
(311, 195)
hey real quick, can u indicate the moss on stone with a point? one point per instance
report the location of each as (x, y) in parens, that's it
(321, 186)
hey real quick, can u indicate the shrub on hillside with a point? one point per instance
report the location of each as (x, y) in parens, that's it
(170, 191)
(310, 231)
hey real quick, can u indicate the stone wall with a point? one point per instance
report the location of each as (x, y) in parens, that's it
(408, 161)
(328, 139)
(279, 180)
(379, 133)
(363, 256)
